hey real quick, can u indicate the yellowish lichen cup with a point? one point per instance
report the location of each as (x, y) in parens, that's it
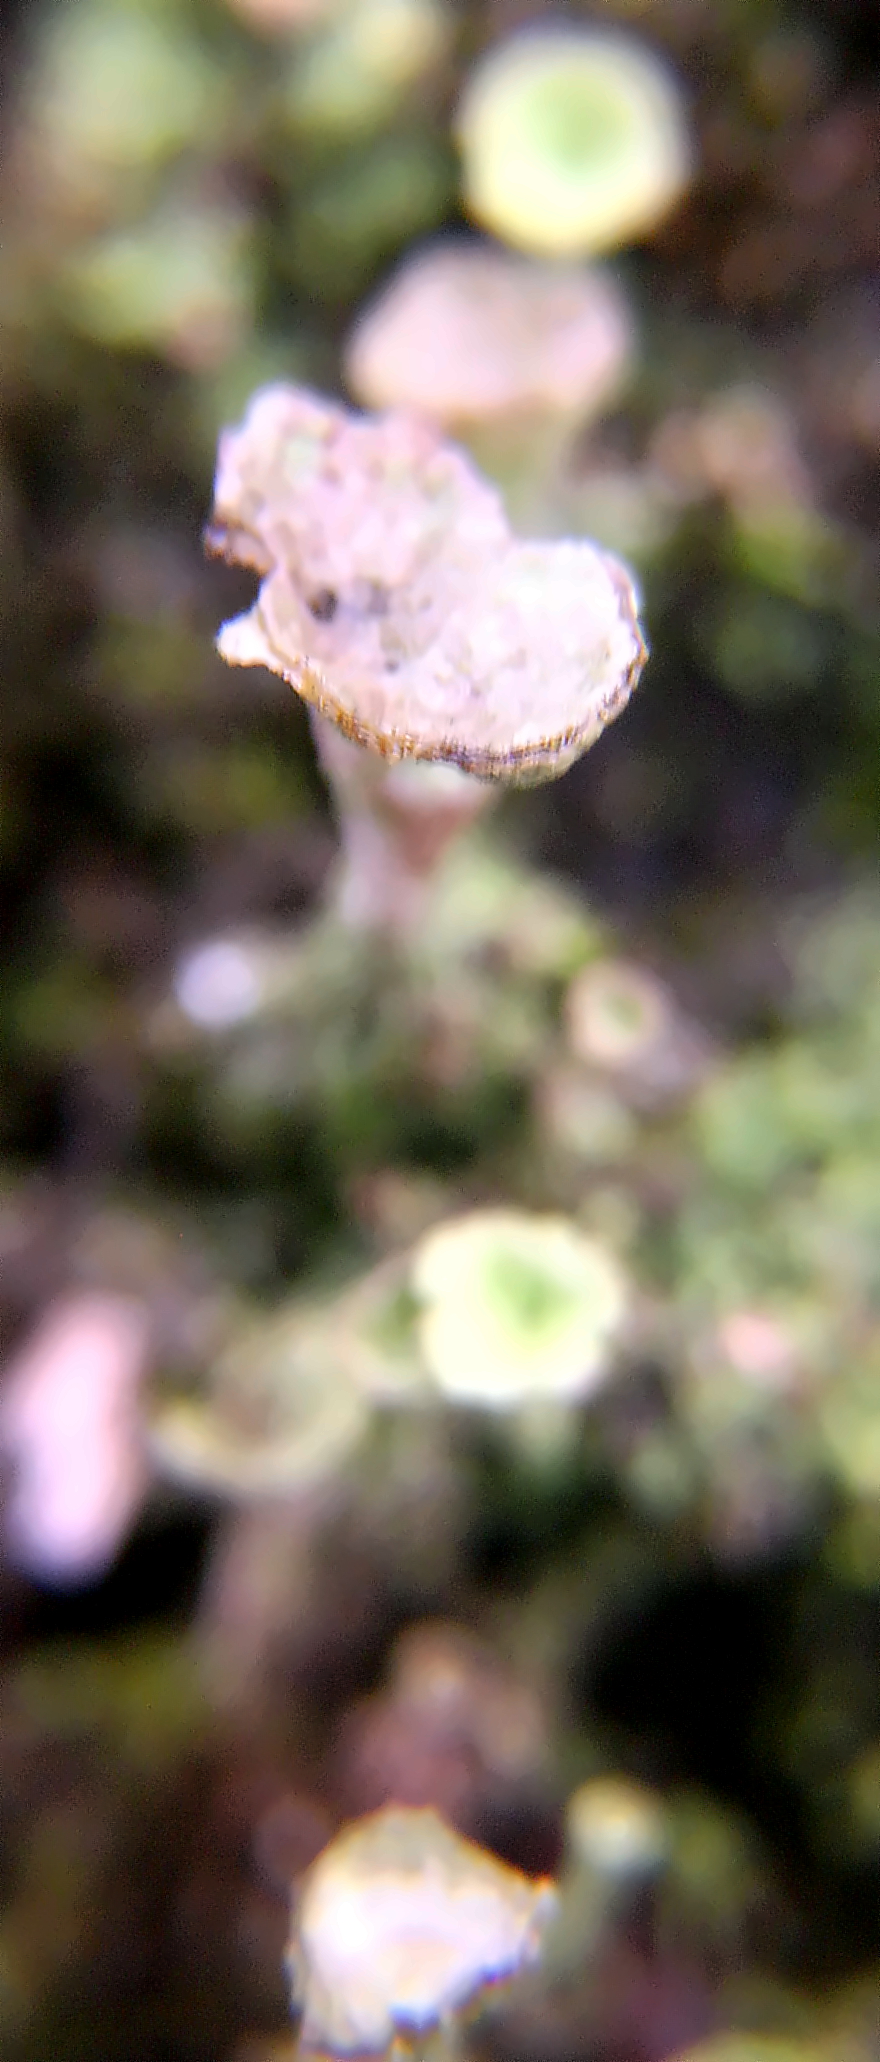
(516, 1308)
(617, 1828)
(279, 1419)
(573, 141)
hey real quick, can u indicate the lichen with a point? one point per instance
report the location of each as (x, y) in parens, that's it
(397, 602)
(466, 334)
(572, 141)
(401, 1922)
(516, 1307)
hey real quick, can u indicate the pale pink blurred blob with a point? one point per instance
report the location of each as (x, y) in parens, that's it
(70, 1426)
(759, 1346)
(466, 333)
(742, 445)
(279, 17)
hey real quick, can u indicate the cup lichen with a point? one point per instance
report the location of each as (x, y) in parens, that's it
(470, 335)
(397, 602)
(400, 1924)
(573, 141)
(516, 1308)
(278, 1417)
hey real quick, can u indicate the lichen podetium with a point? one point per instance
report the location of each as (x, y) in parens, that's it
(396, 600)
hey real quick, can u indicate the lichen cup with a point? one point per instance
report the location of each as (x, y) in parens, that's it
(573, 141)
(402, 1925)
(511, 354)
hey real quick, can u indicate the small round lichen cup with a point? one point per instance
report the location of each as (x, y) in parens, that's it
(617, 1828)
(517, 1309)
(616, 1014)
(180, 283)
(509, 354)
(113, 94)
(400, 1925)
(278, 1418)
(622, 1023)
(573, 141)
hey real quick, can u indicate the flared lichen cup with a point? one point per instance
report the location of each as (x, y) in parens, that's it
(468, 335)
(473, 335)
(401, 1925)
(573, 141)
(396, 600)
(517, 1309)
(509, 353)
(278, 1418)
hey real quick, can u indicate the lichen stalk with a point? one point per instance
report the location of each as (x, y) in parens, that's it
(396, 824)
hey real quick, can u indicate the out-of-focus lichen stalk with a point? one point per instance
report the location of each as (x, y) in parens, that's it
(258, 1583)
(273, 1437)
(396, 823)
(445, 2044)
(617, 1841)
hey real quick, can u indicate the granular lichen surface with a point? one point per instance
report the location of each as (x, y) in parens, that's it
(397, 601)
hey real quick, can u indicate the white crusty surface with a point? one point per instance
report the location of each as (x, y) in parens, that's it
(397, 601)
(400, 1923)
